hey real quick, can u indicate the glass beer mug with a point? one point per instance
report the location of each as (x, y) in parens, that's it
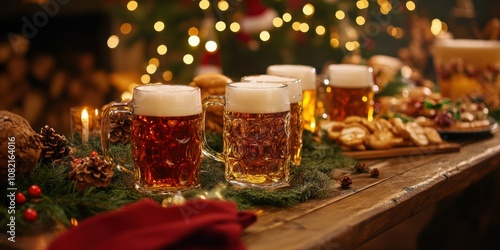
(307, 76)
(166, 137)
(296, 126)
(350, 91)
(255, 134)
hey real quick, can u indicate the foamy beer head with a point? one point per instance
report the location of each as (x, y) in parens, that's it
(164, 100)
(257, 97)
(306, 74)
(350, 76)
(294, 87)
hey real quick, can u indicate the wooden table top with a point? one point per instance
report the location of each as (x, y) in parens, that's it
(350, 217)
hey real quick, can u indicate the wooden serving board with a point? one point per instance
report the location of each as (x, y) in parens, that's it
(445, 147)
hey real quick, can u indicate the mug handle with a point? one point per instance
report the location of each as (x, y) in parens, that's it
(207, 102)
(107, 113)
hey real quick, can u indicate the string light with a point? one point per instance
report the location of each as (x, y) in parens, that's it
(304, 27)
(162, 49)
(193, 31)
(277, 22)
(308, 9)
(223, 5)
(234, 27)
(334, 42)
(350, 46)
(360, 20)
(362, 4)
(113, 41)
(154, 61)
(296, 26)
(340, 14)
(204, 4)
(436, 26)
(194, 41)
(167, 75)
(145, 78)
(320, 30)
(151, 69)
(188, 59)
(159, 26)
(264, 36)
(211, 46)
(132, 5)
(125, 28)
(220, 26)
(385, 8)
(287, 17)
(410, 5)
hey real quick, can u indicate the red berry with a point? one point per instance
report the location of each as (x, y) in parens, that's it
(30, 214)
(34, 191)
(20, 198)
(93, 153)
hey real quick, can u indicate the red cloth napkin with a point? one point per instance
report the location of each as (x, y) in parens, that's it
(197, 224)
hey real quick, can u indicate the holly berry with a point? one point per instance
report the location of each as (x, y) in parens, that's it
(30, 214)
(20, 198)
(34, 191)
(93, 153)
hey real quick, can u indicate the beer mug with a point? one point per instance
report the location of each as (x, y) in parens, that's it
(350, 91)
(166, 137)
(295, 95)
(255, 134)
(307, 76)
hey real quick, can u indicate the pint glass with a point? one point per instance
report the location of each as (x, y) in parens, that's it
(350, 91)
(468, 68)
(295, 95)
(166, 136)
(307, 77)
(255, 134)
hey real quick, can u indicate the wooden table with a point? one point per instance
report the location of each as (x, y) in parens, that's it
(351, 217)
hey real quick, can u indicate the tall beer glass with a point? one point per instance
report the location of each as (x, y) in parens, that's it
(307, 76)
(296, 126)
(166, 136)
(350, 91)
(255, 134)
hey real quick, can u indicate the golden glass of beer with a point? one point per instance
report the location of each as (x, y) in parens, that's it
(255, 134)
(307, 76)
(295, 95)
(350, 91)
(466, 68)
(166, 137)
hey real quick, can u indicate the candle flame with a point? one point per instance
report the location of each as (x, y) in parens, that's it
(85, 115)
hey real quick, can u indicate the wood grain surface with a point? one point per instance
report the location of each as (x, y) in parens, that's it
(348, 218)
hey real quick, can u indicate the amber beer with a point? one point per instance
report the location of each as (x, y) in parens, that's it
(307, 76)
(350, 91)
(255, 134)
(166, 137)
(295, 95)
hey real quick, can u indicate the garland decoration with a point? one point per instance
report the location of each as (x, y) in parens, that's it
(70, 196)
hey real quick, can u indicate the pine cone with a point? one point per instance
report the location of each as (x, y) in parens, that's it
(91, 170)
(55, 146)
(120, 128)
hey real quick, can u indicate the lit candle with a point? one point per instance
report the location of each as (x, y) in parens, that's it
(85, 126)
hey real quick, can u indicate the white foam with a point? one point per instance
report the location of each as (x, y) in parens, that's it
(306, 74)
(257, 97)
(294, 87)
(350, 76)
(166, 100)
(479, 53)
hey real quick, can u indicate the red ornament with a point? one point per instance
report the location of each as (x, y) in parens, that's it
(93, 153)
(30, 214)
(20, 198)
(34, 191)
